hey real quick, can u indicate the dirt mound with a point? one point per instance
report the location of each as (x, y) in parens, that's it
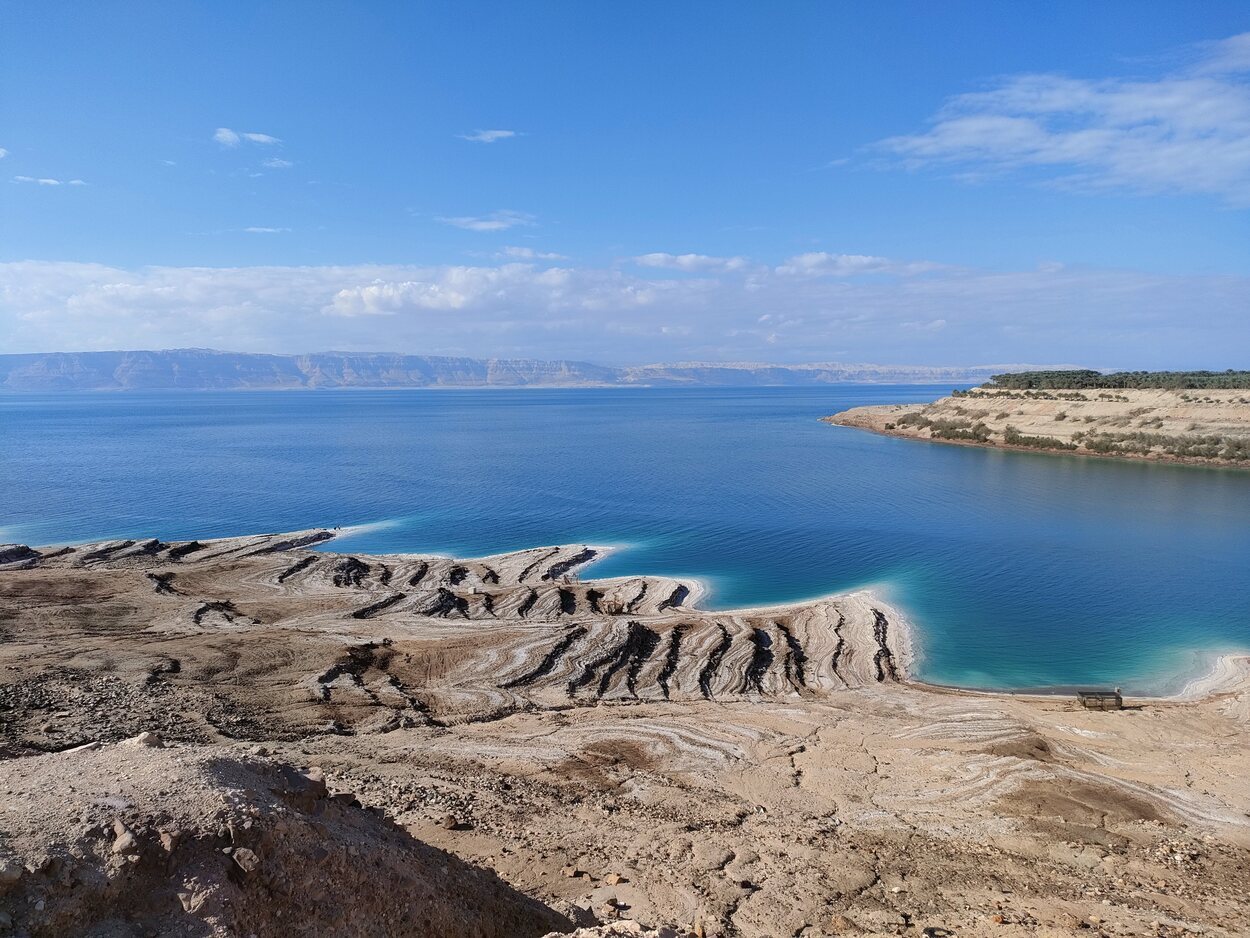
(136, 839)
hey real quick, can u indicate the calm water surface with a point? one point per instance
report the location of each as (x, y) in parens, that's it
(1019, 570)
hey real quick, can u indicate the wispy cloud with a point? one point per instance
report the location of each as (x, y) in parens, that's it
(488, 136)
(823, 264)
(232, 138)
(931, 325)
(257, 229)
(276, 163)
(690, 262)
(529, 254)
(1183, 132)
(1224, 56)
(495, 221)
(48, 181)
(3, 153)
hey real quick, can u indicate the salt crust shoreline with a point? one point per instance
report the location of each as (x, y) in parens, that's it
(1227, 672)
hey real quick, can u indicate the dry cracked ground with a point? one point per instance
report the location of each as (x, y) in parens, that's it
(256, 737)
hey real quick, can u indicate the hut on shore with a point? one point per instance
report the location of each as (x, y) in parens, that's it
(1100, 699)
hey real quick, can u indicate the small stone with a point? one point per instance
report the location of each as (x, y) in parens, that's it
(248, 861)
(169, 841)
(125, 841)
(841, 925)
(450, 822)
(998, 919)
(10, 871)
(151, 740)
(191, 900)
(614, 879)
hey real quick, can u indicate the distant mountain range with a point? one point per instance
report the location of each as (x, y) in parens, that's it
(205, 369)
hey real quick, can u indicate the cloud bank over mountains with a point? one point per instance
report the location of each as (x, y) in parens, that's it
(657, 307)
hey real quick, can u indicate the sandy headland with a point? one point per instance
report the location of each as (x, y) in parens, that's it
(252, 736)
(1198, 427)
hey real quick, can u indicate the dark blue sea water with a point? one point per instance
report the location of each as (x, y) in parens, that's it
(1019, 570)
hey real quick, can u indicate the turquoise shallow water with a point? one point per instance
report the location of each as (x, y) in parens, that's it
(1019, 570)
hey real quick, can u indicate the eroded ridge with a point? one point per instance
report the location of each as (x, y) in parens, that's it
(470, 638)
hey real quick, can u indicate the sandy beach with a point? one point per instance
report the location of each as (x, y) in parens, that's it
(201, 737)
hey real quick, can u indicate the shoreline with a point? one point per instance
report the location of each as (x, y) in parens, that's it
(904, 654)
(1224, 674)
(860, 418)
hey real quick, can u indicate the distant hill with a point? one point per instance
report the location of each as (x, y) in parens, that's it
(208, 370)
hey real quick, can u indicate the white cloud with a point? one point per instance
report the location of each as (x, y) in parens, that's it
(952, 315)
(231, 138)
(3, 153)
(529, 254)
(1224, 56)
(1185, 132)
(487, 136)
(495, 221)
(822, 264)
(48, 181)
(690, 262)
(276, 163)
(257, 229)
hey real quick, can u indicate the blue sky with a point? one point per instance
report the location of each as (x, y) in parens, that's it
(896, 182)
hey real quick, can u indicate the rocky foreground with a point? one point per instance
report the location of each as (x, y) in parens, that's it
(1199, 426)
(252, 737)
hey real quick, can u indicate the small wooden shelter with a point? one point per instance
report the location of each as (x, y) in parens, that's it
(1101, 699)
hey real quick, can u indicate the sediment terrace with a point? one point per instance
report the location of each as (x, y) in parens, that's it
(1196, 426)
(606, 747)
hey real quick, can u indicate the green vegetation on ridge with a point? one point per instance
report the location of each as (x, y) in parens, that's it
(1088, 378)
